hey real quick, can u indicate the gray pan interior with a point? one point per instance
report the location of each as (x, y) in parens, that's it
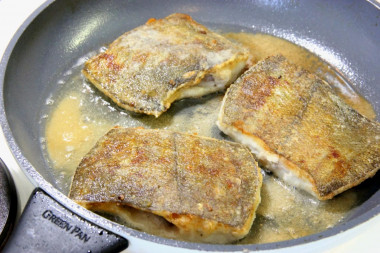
(346, 34)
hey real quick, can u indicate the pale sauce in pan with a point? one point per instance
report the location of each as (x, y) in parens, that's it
(78, 115)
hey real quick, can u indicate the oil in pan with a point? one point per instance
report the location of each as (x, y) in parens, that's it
(77, 115)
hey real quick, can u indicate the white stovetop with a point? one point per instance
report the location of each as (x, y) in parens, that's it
(363, 238)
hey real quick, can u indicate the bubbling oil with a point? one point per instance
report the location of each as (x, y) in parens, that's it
(78, 115)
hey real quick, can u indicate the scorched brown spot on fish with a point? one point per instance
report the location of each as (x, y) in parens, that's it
(149, 67)
(299, 128)
(208, 189)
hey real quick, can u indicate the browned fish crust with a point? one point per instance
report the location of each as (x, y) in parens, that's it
(149, 67)
(298, 127)
(203, 186)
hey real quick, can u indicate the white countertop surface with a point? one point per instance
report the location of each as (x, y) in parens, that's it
(362, 238)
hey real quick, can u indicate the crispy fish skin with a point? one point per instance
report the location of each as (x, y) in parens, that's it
(149, 67)
(209, 189)
(297, 127)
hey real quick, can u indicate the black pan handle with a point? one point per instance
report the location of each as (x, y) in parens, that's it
(47, 226)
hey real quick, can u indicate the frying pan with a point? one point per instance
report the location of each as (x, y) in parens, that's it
(346, 34)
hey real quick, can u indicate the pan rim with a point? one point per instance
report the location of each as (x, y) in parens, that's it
(35, 177)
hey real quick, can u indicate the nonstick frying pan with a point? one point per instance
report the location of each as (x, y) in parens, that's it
(346, 34)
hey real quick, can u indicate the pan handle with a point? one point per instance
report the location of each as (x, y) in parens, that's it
(47, 226)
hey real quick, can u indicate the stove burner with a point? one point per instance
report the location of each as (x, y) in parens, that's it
(8, 204)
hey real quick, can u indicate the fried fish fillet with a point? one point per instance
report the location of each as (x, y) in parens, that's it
(149, 67)
(209, 189)
(297, 127)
